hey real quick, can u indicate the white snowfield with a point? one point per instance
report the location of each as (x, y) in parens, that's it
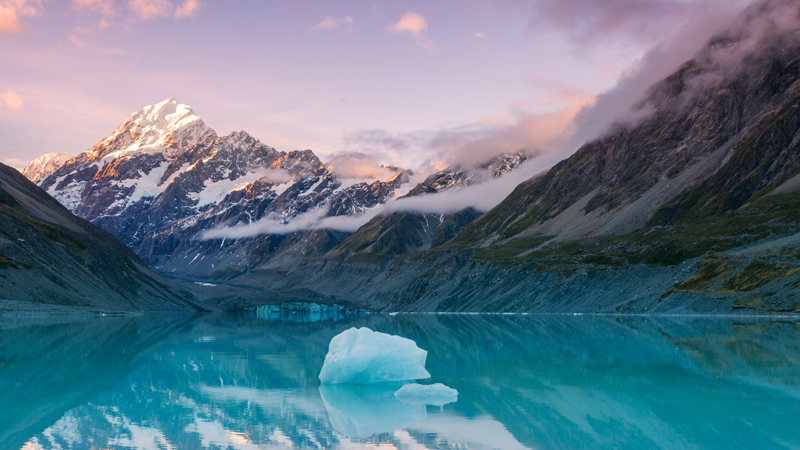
(363, 356)
(430, 394)
(167, 127)
(41, 167)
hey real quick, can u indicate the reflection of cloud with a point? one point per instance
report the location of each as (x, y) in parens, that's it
(330, 23)
(414, 24)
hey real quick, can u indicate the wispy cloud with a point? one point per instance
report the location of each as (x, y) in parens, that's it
(315, 219)
(358, 165)
(332, 23)
(11, 100)
(12, 10)
(479, 35)
(106, 7)
(472, 144)
(189, 8)
(415, 25)
(151, 9)
(78, 34)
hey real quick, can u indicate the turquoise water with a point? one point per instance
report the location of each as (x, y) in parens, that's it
(242, 382)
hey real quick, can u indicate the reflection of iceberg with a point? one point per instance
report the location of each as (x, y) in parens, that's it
(426, 394)
(363, 356)
(362, 411)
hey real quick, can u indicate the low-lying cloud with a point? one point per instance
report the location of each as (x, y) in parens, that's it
(316, 219)
(358, 165)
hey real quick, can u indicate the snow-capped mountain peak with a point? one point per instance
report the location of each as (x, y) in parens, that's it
(167, 127)
(41, 167)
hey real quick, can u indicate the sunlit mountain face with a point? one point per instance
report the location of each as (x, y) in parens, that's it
(243, 382)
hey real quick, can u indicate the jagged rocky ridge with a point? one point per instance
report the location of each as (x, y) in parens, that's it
(163, 179)
(50, 257)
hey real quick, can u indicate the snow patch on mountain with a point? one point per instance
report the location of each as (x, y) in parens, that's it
(44, 165)
(167, 127)
(214, 191)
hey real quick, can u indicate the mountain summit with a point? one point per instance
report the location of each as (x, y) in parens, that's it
(168, 127)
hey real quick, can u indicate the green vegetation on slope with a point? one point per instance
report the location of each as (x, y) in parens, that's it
(656, 245)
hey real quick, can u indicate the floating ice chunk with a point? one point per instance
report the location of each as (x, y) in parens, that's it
(431, 394)
(363, 356)
(365, 410)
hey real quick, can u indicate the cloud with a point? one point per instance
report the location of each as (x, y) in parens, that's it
(358, 165)
(278, 176)
(16, 163)
(316, 219)
(77, 35)
(190, 8)
(479, 35)
(618, 105)
(106, 7)
(470, 145)
(12, 10)
(151, 9)
(11, 100)
(415, 25)
(643, 22)
(331, 23)
(482, 197)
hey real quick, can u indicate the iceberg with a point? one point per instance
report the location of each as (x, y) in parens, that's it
(431, 394)
(363, 356)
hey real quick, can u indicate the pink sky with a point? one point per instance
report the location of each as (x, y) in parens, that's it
(410, 83)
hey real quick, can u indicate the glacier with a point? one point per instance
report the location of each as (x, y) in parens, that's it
(363, 356)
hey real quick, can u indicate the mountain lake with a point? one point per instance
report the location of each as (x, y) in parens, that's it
(248, 381)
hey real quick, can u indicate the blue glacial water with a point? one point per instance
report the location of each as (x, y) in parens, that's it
(242, 382)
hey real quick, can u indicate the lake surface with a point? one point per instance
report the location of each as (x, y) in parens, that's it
(244, 382)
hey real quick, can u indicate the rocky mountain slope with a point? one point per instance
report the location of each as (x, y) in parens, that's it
(694, 207)
(163, 180)
(163, 177)
(48, 256)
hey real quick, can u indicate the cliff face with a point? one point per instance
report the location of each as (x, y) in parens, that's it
(48, 256)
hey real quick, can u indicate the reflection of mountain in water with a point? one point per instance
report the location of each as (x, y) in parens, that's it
(524, 381)
(47, 369)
